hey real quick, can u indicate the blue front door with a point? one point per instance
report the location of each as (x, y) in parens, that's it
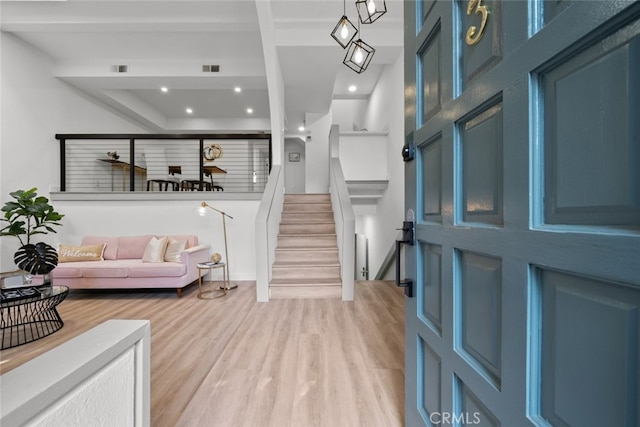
(525, 189)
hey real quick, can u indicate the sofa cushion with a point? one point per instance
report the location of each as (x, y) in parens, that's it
(111, 242)
(68, 271)
(70, 253)
(154, 252)
(115, 268)
(105, 270)
(174, 248)
(192, 239)
(165, 269)
(132, 247)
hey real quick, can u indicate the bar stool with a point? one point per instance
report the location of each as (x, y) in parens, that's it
(163, 185)
(195, 184)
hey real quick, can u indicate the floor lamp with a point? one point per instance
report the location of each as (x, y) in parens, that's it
(203, 211)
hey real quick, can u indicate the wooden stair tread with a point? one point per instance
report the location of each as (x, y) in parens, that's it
(300, 264)
(305, 292)
(310, 235)
(307, 282)
(308, 249)
(298, 234)
(308, 223)
(307, 202)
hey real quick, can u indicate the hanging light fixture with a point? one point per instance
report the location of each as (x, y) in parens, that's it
(370, 10)
(358, 55)
(344, 31)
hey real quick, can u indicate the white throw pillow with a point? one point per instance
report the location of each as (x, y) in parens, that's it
(174, 248)
(154, 252)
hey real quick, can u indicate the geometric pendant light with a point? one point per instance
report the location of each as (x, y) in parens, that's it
(370, 10)
(358, 56)
(344, 30)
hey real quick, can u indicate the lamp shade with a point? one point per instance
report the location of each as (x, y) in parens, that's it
(358, 56)
(370, 10)
(344, 32)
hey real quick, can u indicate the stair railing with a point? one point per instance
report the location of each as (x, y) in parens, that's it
(267, 227)
(389, 261)
(345, 226)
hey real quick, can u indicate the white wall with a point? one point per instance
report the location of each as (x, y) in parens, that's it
(317, 164)
(349, 112)
(385, 110)
(36, 106)
(364, 156)
(294, 172)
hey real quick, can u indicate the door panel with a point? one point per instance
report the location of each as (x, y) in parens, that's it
(576, 313)
(431, 375)
(431, 159)
(431, 74)
(476, 59)
(430, 306)
(481, 169)
(479, 314)
(594, 92)
(526, 193)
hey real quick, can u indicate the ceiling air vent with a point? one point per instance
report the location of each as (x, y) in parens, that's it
(120, 68)
(210, 68)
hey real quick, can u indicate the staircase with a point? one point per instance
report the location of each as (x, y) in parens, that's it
(306, 264)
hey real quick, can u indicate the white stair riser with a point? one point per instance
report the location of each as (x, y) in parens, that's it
(307, 207)
(307, 228)
(308, 217)
(306, 256)
(306, 242)
(307, 198)
(306, 272)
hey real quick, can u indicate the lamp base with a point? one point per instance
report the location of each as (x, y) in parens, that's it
(229, 286)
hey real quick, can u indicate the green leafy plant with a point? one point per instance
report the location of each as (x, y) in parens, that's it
(27, 215)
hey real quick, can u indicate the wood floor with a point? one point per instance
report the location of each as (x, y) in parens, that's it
(236, 362)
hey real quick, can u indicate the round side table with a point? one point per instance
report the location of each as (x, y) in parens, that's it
(208, 267)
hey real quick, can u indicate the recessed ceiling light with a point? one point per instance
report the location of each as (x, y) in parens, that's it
(249, 110)
(301, 128)
(164, 89)
(352, 88)
(237, 89)
(189, 110)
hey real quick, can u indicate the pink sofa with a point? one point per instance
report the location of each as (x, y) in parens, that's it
(122, 267)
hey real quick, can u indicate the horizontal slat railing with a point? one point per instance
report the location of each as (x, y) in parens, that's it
(89, 165)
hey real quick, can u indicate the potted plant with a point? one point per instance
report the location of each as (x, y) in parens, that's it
(27, 215)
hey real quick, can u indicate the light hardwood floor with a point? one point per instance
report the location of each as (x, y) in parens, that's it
(236, 362)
